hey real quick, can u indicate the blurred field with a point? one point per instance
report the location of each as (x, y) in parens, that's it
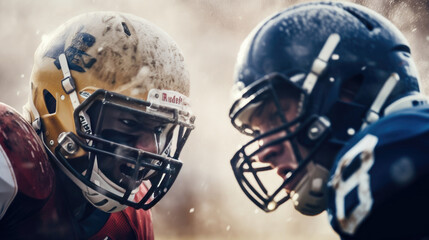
(205, 202)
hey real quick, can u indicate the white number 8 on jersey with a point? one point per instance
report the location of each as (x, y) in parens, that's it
(360, 178)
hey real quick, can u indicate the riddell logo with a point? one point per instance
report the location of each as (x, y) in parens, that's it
(85, 125)
(171, 99)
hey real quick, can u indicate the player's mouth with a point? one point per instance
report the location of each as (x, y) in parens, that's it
(287, 173)
(129, 169)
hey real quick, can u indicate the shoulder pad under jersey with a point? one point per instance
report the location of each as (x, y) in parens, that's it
(24, 165)
(373, 174)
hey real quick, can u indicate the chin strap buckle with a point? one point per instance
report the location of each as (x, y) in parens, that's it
(68, 83)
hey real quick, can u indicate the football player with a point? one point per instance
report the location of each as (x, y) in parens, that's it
(105, 123)
(330, 96)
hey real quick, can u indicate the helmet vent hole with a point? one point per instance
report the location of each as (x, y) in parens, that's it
(362, 19)
(126, 30)
(101, 203)
(402, 48)
(111, 210)
(50, 101)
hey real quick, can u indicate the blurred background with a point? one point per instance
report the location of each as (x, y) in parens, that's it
(205, 202)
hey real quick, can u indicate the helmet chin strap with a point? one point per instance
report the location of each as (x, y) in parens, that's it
(319, 65)
(309, 196)
(100, 201)
(321, 62)
(69, 88)
(373, 113)
(68, 83)
(98, 178)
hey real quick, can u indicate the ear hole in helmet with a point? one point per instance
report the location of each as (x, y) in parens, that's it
(402, 48)
(350, 88)
(50, 101)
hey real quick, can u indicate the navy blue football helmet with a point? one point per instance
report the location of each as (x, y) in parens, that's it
(348, 65)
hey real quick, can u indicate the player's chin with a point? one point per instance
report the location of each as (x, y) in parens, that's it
(294, 180)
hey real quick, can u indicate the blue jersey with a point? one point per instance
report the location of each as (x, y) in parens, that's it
(379, 184)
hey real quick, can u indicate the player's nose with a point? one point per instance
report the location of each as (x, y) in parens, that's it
(278, 155)
(147, 142)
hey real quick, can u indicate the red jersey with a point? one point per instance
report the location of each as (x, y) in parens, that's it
(32, 203)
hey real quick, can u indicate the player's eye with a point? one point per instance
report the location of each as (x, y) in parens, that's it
(159, 129)
(128, 122)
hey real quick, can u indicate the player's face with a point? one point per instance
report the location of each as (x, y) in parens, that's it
(281, 156)
(133, 130)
